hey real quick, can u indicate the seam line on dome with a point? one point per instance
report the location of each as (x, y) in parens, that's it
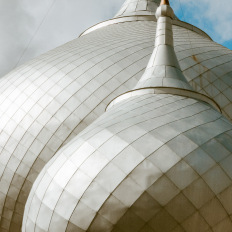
(165, 90)
(141, 18)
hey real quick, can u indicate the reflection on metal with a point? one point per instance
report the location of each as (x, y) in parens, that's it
(165, 90)
(152, 163)
(143, 18)
(163, 69)
(138, 7)
(163, 74)
(45, 103)
(164, 2)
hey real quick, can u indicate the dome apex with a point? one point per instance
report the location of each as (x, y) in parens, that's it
(163, 69)
(164, 2)
(164, 10)
(138, 7)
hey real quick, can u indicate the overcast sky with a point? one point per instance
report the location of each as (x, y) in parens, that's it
(32, 27)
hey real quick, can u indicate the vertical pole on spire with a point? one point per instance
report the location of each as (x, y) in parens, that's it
(165, 2)
(163, 69)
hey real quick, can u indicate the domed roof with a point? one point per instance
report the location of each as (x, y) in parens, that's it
(153, 162)
(49, 100)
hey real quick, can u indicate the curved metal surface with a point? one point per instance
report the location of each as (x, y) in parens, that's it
(142, 18)
(164, 90)
(163, 69)
(151, 163)
(49, 100)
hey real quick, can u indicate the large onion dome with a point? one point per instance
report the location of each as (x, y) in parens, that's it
(51, 99)
(157, 161)
(129, 171)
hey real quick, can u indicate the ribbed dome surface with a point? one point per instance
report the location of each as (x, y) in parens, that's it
(151, 163)
(48, 101)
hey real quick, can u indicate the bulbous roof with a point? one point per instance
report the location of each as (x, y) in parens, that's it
(150, 163)
(49, 100)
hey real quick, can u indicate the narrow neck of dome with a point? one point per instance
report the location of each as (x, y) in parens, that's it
(163, 74)
(138, 7)
(164, 2)
(163, 69)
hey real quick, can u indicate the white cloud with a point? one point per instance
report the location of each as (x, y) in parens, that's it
(220, 14)
(213, 16)
(31, 27)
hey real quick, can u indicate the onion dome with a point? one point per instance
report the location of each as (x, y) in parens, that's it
(51, 99)
(153, 162)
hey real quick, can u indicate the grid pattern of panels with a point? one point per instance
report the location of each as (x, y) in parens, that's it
(163, 69)
(156, 163)
(51, 99)
(138, 7)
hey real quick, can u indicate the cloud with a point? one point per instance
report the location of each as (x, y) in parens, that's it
(213, 16)
(31, 27)
(219, 13)
(12, 16)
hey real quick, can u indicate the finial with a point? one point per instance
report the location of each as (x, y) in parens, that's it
(164, 10)
(163, 74)
(164, 2)
(163, 69)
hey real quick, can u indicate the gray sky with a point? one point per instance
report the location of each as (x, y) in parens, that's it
(32, 27)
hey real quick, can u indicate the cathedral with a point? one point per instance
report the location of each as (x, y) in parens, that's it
(124, 129)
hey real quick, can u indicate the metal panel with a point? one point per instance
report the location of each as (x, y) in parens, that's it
(160, 178)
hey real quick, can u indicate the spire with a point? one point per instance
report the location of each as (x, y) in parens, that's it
(163, 74)
(163, 69)
(164, 2)
(138, 7)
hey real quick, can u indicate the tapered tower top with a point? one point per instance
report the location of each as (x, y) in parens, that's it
(164, 2)
(163, 69)
(138, 7)
(163, 74)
